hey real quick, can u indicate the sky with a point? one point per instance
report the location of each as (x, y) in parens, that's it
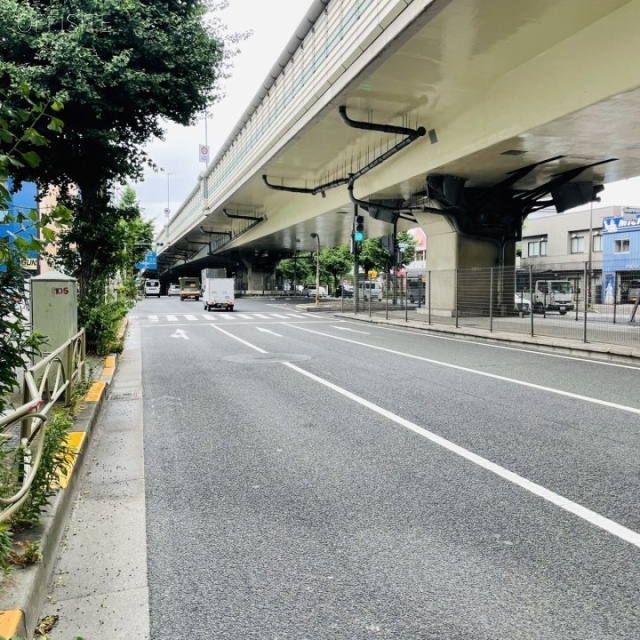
(272, 23)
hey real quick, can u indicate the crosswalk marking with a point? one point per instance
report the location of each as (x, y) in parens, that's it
(221, 316)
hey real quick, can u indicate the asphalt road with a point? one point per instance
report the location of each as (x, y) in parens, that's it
(310, 478)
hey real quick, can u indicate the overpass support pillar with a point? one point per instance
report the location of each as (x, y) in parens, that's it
(460, 270)
(259, 275)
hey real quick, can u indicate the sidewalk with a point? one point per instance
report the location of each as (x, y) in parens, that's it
(93, 582)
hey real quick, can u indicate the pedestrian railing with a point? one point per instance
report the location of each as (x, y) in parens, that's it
(46, 383)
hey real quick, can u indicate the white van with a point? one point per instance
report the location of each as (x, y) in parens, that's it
(151, 288)
(370, 289)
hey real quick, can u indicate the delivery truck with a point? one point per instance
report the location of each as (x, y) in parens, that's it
(217, 293)
(189, 289)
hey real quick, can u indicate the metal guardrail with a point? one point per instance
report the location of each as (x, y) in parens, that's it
(501, 300)
(44, 384)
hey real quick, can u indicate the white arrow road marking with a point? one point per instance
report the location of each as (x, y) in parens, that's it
(273, 333)
(180, 333)
(352, 330)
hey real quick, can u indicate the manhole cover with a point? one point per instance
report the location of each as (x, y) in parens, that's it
(267, 358)
(126, 395)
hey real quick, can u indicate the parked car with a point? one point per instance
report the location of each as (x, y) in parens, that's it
(522, 304)
(345, 291)
(174, 290)
(310, 291)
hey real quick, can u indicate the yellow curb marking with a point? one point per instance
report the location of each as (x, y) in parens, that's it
(110, 362)
(74, 441)
(10, 622)
(95, 392)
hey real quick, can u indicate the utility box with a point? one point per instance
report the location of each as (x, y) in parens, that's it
(54, 308)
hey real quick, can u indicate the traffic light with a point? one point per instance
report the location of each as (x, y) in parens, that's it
(358, 229)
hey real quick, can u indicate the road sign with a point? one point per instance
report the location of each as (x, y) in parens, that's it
(204, 153)
(150, 261)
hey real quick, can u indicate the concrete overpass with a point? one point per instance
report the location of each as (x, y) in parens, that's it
(460, 116)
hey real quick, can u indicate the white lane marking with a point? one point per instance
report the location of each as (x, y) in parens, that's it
(366, 333)
(278, 315)
(248, 344)
(227, 315)
(190, 317)
(261, 315)
(273, 333)
(153, 318)
(208, 317)
(422, 334)
(576, 509)
(485, 374)
(294, 315)
(172, 318)
(245, 316)
(180, 333)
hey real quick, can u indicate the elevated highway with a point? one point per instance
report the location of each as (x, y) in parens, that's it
(460, 116)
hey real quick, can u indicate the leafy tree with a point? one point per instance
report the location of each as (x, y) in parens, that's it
(297, 270)
(335, 262)
(25, 116)
(119, 239)
(374, 256)
(122, 66)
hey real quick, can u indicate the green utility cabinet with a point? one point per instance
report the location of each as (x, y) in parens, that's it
(54, 308)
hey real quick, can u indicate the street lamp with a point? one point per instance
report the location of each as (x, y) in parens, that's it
(317, 237)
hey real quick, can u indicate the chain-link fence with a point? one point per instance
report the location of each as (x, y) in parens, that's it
(565, 301)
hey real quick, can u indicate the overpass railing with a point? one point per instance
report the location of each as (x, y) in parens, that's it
(22, 432)
(296, 86)
(603, 306)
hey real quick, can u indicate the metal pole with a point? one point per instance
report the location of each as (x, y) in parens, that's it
(406, 297)
(456, 298)
(586, 284)
(429, 292)
(386, 295)
(491, 301)
(531, 297)
(317, 237)
(615, 294)
(370, 295)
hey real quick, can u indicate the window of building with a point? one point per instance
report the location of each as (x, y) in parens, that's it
(597, 243)
(621, 246)
(577, 244)
(537, 248)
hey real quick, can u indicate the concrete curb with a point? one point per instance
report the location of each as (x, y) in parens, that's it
(565, 346)
(23, 593)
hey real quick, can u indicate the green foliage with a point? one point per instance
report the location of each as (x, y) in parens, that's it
(298, 270)
(102, 322)
(53, 464)
(6, 548)
(374, 256)
(335, 263)
(24, 114)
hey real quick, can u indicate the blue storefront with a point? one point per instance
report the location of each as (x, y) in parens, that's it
(23, 201)
(621, 256)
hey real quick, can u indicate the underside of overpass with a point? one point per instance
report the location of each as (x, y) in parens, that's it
(460, 116)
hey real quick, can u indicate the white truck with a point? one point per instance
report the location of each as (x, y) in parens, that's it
(553, 295)
(217, 293)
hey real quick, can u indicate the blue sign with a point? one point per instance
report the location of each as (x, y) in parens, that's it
(620, 223)
(150, 261)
